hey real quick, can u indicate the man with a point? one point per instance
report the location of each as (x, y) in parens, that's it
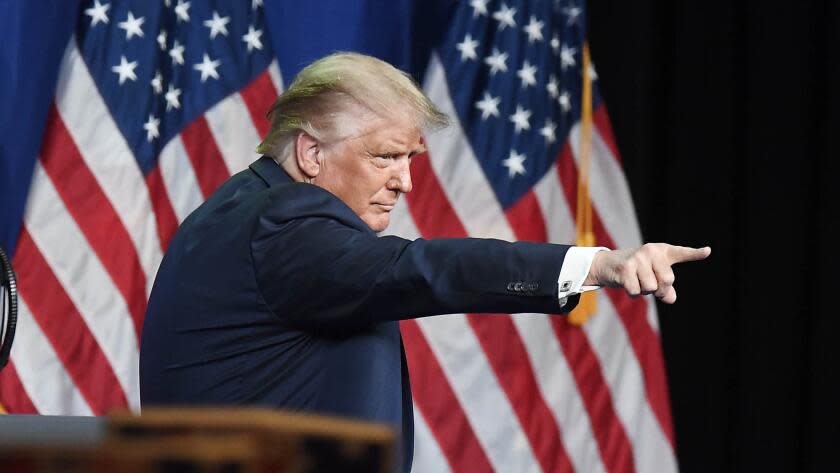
(278, 292)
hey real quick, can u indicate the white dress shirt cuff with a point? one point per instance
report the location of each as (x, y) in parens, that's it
(574, 271)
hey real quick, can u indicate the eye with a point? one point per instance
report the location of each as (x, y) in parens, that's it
(384, 160)
(380, 160)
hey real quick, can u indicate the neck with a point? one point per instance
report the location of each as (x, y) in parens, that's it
(290, 166)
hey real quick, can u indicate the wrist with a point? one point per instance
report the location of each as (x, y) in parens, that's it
(592, 278)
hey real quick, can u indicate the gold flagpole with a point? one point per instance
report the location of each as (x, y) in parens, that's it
(584, 234)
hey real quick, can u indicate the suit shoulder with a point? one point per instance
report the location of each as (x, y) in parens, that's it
(232, 194)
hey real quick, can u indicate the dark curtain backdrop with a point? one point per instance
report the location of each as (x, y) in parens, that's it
(727, 114)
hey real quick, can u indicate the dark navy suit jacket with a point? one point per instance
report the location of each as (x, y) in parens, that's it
(275, 293)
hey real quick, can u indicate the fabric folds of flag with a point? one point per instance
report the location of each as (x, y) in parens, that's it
(157, 103)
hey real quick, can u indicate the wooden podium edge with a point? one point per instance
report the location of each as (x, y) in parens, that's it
(261, 418)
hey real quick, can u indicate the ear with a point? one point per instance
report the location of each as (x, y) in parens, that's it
(308, 154)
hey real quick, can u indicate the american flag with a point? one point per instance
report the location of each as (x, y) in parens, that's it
(158, 103)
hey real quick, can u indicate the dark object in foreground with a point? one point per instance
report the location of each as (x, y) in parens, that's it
(198, 440)
(8, 307)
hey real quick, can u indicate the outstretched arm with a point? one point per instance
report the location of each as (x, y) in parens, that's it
(318, 272)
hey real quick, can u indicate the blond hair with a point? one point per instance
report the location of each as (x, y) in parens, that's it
(324, 93)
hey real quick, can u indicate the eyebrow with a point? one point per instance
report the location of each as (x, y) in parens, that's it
(393, 148)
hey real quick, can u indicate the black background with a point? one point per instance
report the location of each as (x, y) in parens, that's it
(727, 116)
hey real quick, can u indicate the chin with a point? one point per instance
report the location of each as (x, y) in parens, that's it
(378, 223)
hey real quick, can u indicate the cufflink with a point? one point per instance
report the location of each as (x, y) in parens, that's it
(565, 286)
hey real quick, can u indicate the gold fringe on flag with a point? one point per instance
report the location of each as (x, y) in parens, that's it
(585, 235)
(2, 410)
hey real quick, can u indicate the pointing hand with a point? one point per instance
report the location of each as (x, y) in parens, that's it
(645, 270)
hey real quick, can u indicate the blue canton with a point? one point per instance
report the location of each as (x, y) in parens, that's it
(524, 61)
(161, 64)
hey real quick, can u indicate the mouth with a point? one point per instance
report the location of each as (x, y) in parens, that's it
(385, 207)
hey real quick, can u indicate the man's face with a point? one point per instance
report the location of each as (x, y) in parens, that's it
(369, 170)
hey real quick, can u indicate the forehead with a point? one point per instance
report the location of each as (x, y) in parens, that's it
(391, 134)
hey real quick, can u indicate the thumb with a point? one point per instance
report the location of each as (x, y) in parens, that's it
(681, 254)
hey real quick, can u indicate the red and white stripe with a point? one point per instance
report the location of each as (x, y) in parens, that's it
(106, 164)
(66, 252)
(41, 373)
(94, 232)
(596, 392)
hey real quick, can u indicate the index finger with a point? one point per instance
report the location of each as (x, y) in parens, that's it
(681, 254)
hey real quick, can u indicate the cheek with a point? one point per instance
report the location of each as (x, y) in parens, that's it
(357, 183)
(353, 187)
(338, 180)
(370, 182)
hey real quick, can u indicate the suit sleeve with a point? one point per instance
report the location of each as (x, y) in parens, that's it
(318, 272)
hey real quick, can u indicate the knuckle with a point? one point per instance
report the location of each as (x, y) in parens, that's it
(655, 250)
(621, 269)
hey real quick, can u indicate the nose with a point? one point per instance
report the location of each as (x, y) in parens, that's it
(401, 179)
